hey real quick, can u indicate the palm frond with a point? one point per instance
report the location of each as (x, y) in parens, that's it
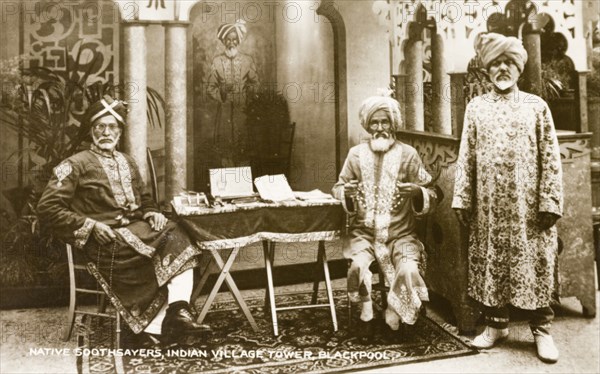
(155, 102)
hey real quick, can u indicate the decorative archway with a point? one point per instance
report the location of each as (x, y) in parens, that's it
(457, 26)
(328, 10)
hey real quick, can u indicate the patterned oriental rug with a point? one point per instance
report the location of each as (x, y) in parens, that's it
(306, 344)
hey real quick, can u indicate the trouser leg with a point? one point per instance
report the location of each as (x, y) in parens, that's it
(180, 289)
(364, 293)
(360, 277)
(407, 289)
(496, 317)
(180, 286)
(540, 320)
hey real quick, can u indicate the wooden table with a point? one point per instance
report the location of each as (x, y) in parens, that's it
(234, 227)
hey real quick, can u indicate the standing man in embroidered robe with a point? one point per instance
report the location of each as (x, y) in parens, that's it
(389, 186)
(508, 191)
(233, 79)
(97, 201)
(233, 73)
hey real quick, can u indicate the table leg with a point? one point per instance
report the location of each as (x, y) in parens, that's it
(219, 282)
(226, 276)
(317, 280)
(269, 250)
(202, 280)
(237, 295)
(323, 259)
(267, 305)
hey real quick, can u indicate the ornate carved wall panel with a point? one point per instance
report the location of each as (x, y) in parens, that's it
(460, 22)
(57, 32)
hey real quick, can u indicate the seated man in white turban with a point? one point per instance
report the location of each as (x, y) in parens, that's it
(390, 187)
(508, 191)
(97, 201)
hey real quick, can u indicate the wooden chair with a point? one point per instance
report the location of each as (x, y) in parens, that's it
(76, 268)
(155, 160)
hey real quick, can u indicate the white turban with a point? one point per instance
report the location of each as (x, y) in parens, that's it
(375, 103)
(491, 46)
(239, 27)
(106, 106)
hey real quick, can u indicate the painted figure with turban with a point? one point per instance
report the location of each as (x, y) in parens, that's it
(384, 187)
(233, 78)
(508, 192)
(96, 200)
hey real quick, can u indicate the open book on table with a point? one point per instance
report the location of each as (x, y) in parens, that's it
(274, 188)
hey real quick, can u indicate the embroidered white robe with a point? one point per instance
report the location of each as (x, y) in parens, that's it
(383, 228)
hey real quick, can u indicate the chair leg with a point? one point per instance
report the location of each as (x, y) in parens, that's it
(71, 315)
(118, 330)
(102, 304)
(349, 308)
(384, 303)
(80, 344)
(383, 289)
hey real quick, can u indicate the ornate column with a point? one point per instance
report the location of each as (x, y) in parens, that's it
(400, 88)
(440, 81)
(415, 119)
(134, 74)
(582, 97)
(176, 109)
(457, 82)
(533, 68)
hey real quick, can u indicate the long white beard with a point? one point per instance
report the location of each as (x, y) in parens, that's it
(504, 84)
(231, 52)
(381, 144)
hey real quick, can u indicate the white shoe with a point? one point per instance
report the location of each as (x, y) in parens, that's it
(546, 349)
(488, 338)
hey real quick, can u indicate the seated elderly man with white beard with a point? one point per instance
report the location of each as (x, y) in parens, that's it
(387, 180)
(97, 200)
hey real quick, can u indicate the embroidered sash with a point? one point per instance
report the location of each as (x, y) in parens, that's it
(379, 198)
